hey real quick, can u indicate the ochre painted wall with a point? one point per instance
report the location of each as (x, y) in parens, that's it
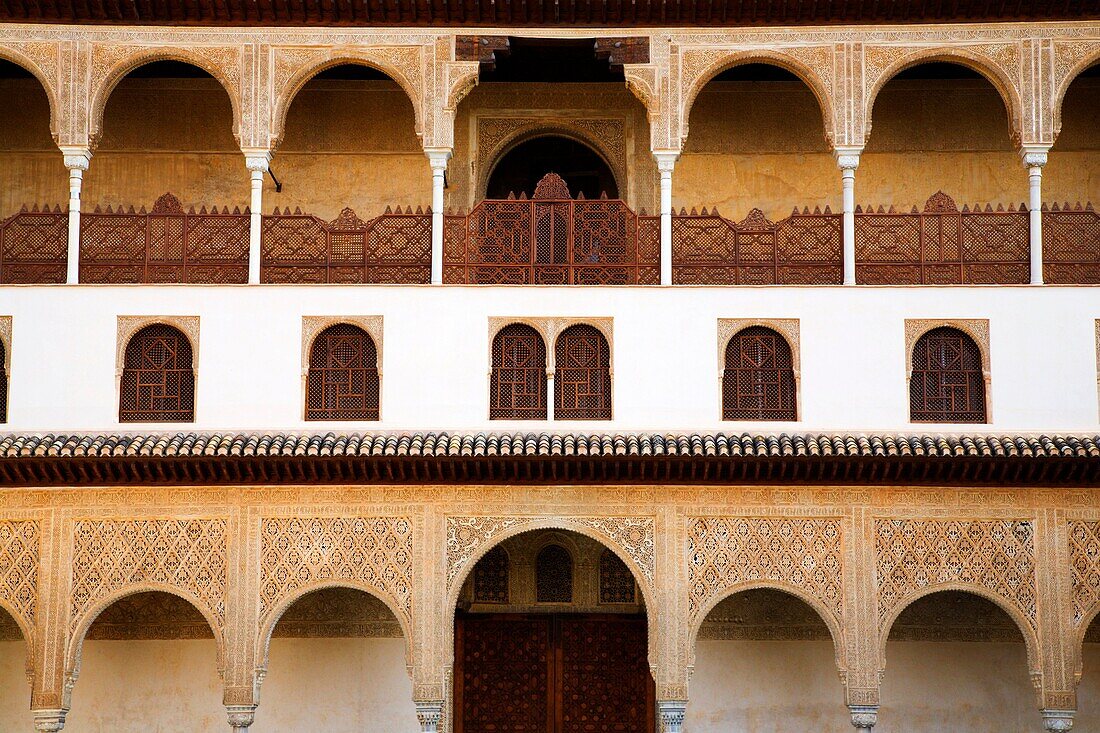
(15, 688)
(31, 167)
(1088, 692)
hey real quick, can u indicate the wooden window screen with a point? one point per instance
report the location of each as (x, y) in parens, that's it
(758, 380)
(554, 575)
(517, 384)
(3, 385)
(158, 378)
(616, 580)
(342, 383)
(491, 577)
(947, 384)
(582, 375)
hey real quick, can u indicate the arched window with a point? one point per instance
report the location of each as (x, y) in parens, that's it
(616, 580)
(582, 375)
(491, 577)
(517, 387)
(554, 575)
(343, 375)
(758, 380)
(3, 384)
(158, 378)
(947, 384)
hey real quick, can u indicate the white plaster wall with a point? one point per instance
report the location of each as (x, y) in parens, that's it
(766, 686)
(975, 687)
(665, 353)
(15, 688)
(148, 686)
(336, 686)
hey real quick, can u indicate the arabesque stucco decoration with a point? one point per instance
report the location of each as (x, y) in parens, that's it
(19, 569)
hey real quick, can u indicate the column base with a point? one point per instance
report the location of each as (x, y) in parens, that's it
(49, 721)
(864, 717)
(1058, 721)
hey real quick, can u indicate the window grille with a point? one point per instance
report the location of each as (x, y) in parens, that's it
(343, 375)
(517, 385)
(3, 385)
(758, 380)
(616, 580)
(491, 577)
(554, 575)
(582, 375)
(947, 384)
(158, 378)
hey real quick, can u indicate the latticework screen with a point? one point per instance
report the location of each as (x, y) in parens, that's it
(3, 385)
(582, 375)
(616, 580)
(947, 384)
(158, 379)
(517, 386)
(491, 577)
(34, 246)
(554, 575)
(343, 375)
(758, 380)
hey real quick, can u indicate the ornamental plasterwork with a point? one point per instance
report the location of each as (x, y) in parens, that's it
(975, 328)
(550, 327)
(1070, 59)
(786, 327)
(19, 542)
(130, 325)
(313, 325)
(1084, 555)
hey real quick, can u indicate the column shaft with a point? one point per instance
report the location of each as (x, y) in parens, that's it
(257, 162)
(438, 158)
(847, 159)
(76, 160)
(1034, 158)
(666, 161)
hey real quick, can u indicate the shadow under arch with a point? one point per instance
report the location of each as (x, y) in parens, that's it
(26, 634)
(960, 57)
(548, 130)
(24, 62)
(143, 57)
(285, 98)
(555, 523)
(1031, 643)
(271, 619)
(827, 616)
(80, 629)
(1063, 89)
(1087, 619)
(805, 73)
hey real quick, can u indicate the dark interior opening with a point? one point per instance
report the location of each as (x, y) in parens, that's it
(8, 70)
(551, 60)
(756, 72)
(582, 168)
(353, 72)
(168, 70)
(938, 70)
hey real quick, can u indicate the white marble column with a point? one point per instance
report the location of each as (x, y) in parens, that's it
(864, 717)
(1058, 721)
(1034, 158)
(670, 715)
(76, 160)
(666, 161)
(49, 721)
(847, 159)
(257, 162)
(240, 717)
(437, 158)
(429, 713)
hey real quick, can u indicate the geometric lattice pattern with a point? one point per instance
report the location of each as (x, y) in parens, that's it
(582, 375)
(1084, 553)
(158, 381)
(946, 384)
(1071, 244)
(997, 555)
(297, 551)
(517, 383)
(491, 577)
(726, 551)
(616, 581)
(19, 567)
(34, 245)
(554, 575)
(758, 379)
(343, 375)
(189, 554)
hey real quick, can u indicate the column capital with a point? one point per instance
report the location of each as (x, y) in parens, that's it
(256, 159)
(49, 721)
(847, 156)
(438, 157)
(429, 713)
(1058, 721)
(666, 159)
(864, 717)
(240, 717)
(76, 157)
(1034, 156)
(671, 715)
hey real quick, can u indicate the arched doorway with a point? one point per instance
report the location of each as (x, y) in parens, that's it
(765, 660)
(956, 661)
(551, 637)
(336, 662)
(520, 169)
(15, 689)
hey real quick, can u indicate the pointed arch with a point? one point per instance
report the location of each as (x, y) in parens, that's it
(983, 65)
(1079, 68)
(10, 54)
(157, 383)
(102, 89)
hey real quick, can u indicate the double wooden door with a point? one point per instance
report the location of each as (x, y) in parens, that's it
(549, 673)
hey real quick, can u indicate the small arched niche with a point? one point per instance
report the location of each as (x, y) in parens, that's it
(765, 660)
(338, 655)
(955, 660)
(519, 170)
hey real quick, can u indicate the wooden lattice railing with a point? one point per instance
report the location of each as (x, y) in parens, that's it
(551, 239)
(803, 249)
(34, 245)
(1071, 244)
(942, 245)
(165, 245)
(395, 247)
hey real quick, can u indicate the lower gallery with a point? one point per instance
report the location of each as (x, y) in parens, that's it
(758, 596)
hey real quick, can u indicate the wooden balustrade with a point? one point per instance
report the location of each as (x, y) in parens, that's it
(1071, 244)
(34, 245)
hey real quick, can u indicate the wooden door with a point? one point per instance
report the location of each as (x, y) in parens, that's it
(543, 673)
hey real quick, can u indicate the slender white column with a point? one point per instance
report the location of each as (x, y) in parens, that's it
(76, 160)
(670, 715)
(847, 159)
(429, 713)
(49, 721)
(864, 717)
(240, 717)
(1034, 159)
(257, 162)
(1058, 721)
(437, 158)
(666, 161)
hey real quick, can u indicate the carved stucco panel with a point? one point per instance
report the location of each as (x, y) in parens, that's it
(1084, 551)
(19, 543)
(1070, 59)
